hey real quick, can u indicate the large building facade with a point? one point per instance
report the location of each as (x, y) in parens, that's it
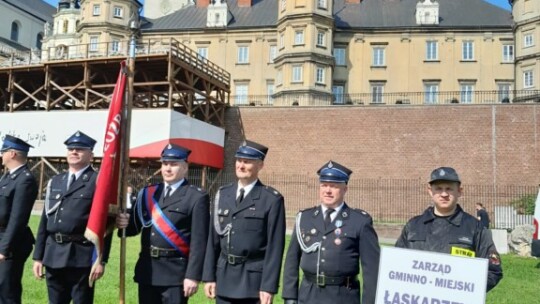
(320, 52)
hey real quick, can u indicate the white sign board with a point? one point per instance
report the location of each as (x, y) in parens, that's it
(410, 276)
(151, 130)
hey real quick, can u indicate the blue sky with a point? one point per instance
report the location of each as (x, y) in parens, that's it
(501, 3)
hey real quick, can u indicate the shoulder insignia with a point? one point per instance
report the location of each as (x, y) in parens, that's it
(196, 188)
(272, 190)
(226, 186)
(27, 174)
(308, 209)
(362, 212)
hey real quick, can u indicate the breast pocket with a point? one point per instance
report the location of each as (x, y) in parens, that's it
(177, 214)
(254, 221)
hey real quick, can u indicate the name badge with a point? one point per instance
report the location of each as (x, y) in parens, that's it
(462, 252)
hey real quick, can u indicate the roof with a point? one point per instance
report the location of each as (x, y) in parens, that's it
(37, 8)
(12, 44)
(367, 14)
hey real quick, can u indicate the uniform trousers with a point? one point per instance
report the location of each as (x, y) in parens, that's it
(11, 271)
(149, 294)
(65, 284)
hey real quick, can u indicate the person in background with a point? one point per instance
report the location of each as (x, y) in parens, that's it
(328, 243)
(446, 228)
(482, 215)
(18, 192)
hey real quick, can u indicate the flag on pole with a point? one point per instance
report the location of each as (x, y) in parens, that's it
(106, 193)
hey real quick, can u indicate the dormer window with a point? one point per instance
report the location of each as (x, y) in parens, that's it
(427, 12)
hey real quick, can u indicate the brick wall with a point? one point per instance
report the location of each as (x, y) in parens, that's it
(489, 145)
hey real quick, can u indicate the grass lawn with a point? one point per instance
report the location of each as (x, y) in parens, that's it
(520, 284)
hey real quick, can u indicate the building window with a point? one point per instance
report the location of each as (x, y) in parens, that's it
(508, 53)
(270, 92)
(337, 91)
(281, 40)
(243, 55)
(319, 75)
(14, 31)
(528, 40)
(431, 93)
(65, 26)
(283, 5)
(503, 91)
(321, 38)
(115, 46)
(279, 77)
(93, 47)
(339, 56)
(202, 52)
(467, 50)
(466, 92)
(241, 97)
(321, 4)
(298, 37)
(528, 79)
(272, 53)
(96, 10)
(432, 50)
(118, 12)
(378, 56)
(39, 38)
(297, 73)
(377, 90)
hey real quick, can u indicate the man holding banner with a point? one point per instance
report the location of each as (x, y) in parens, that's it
(173, 219)
(61, 245)
(446, 228)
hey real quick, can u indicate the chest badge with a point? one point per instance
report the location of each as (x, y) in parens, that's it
(339, 223)
(337, 242)
(57, 196)
(313, 231)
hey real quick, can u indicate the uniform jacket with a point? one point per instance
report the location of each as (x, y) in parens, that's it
(257, 233)
(18, 192)
(68, 214)
(459, 230)
(188, 210)
(356, 242)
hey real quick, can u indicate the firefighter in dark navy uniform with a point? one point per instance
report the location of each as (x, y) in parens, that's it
(61, 246)
(246, 242)
(446, 228)
(173, 219)
(327, 243)
(18, 191)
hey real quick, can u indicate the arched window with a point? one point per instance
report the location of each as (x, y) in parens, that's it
(65, 26)
(39, 37)
(14, 31)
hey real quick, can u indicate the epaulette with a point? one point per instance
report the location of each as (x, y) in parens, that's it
(272, 190)
(360, 211)
(226, 186)
(308, 209)
(197, 188)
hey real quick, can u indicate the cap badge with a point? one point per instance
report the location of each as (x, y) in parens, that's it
(78, 134)
(442, 173)
(169, 146)
(330, 165)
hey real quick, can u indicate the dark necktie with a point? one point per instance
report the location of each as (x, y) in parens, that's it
(240, 197)
(168, 191)
(71, 181)
(327, 218)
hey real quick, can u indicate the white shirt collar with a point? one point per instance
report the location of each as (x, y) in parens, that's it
(175, 185)
(335, 213)
(15, 169)
(78, 173)
(247, 188)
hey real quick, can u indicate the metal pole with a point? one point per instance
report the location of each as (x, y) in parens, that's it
(124, 173)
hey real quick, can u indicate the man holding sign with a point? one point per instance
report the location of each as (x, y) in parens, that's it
(446, 228)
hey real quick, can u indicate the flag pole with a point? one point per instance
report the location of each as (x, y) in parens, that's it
(126, 130)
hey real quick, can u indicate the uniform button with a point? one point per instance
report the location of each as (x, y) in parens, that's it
(232, 232)
(324, 237)
(59, 221)
(234, 217)
(61, 208)
(322, 261)
(323, 249)
(232, 247)
(153, 234)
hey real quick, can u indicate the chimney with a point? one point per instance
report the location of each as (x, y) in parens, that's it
(203, 3)
(244, 3)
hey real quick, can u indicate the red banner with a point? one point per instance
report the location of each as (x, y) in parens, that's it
(106, 193)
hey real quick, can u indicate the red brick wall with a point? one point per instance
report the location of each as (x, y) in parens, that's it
(492, 146)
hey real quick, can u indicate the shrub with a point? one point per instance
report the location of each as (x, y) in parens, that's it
(525, 204)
